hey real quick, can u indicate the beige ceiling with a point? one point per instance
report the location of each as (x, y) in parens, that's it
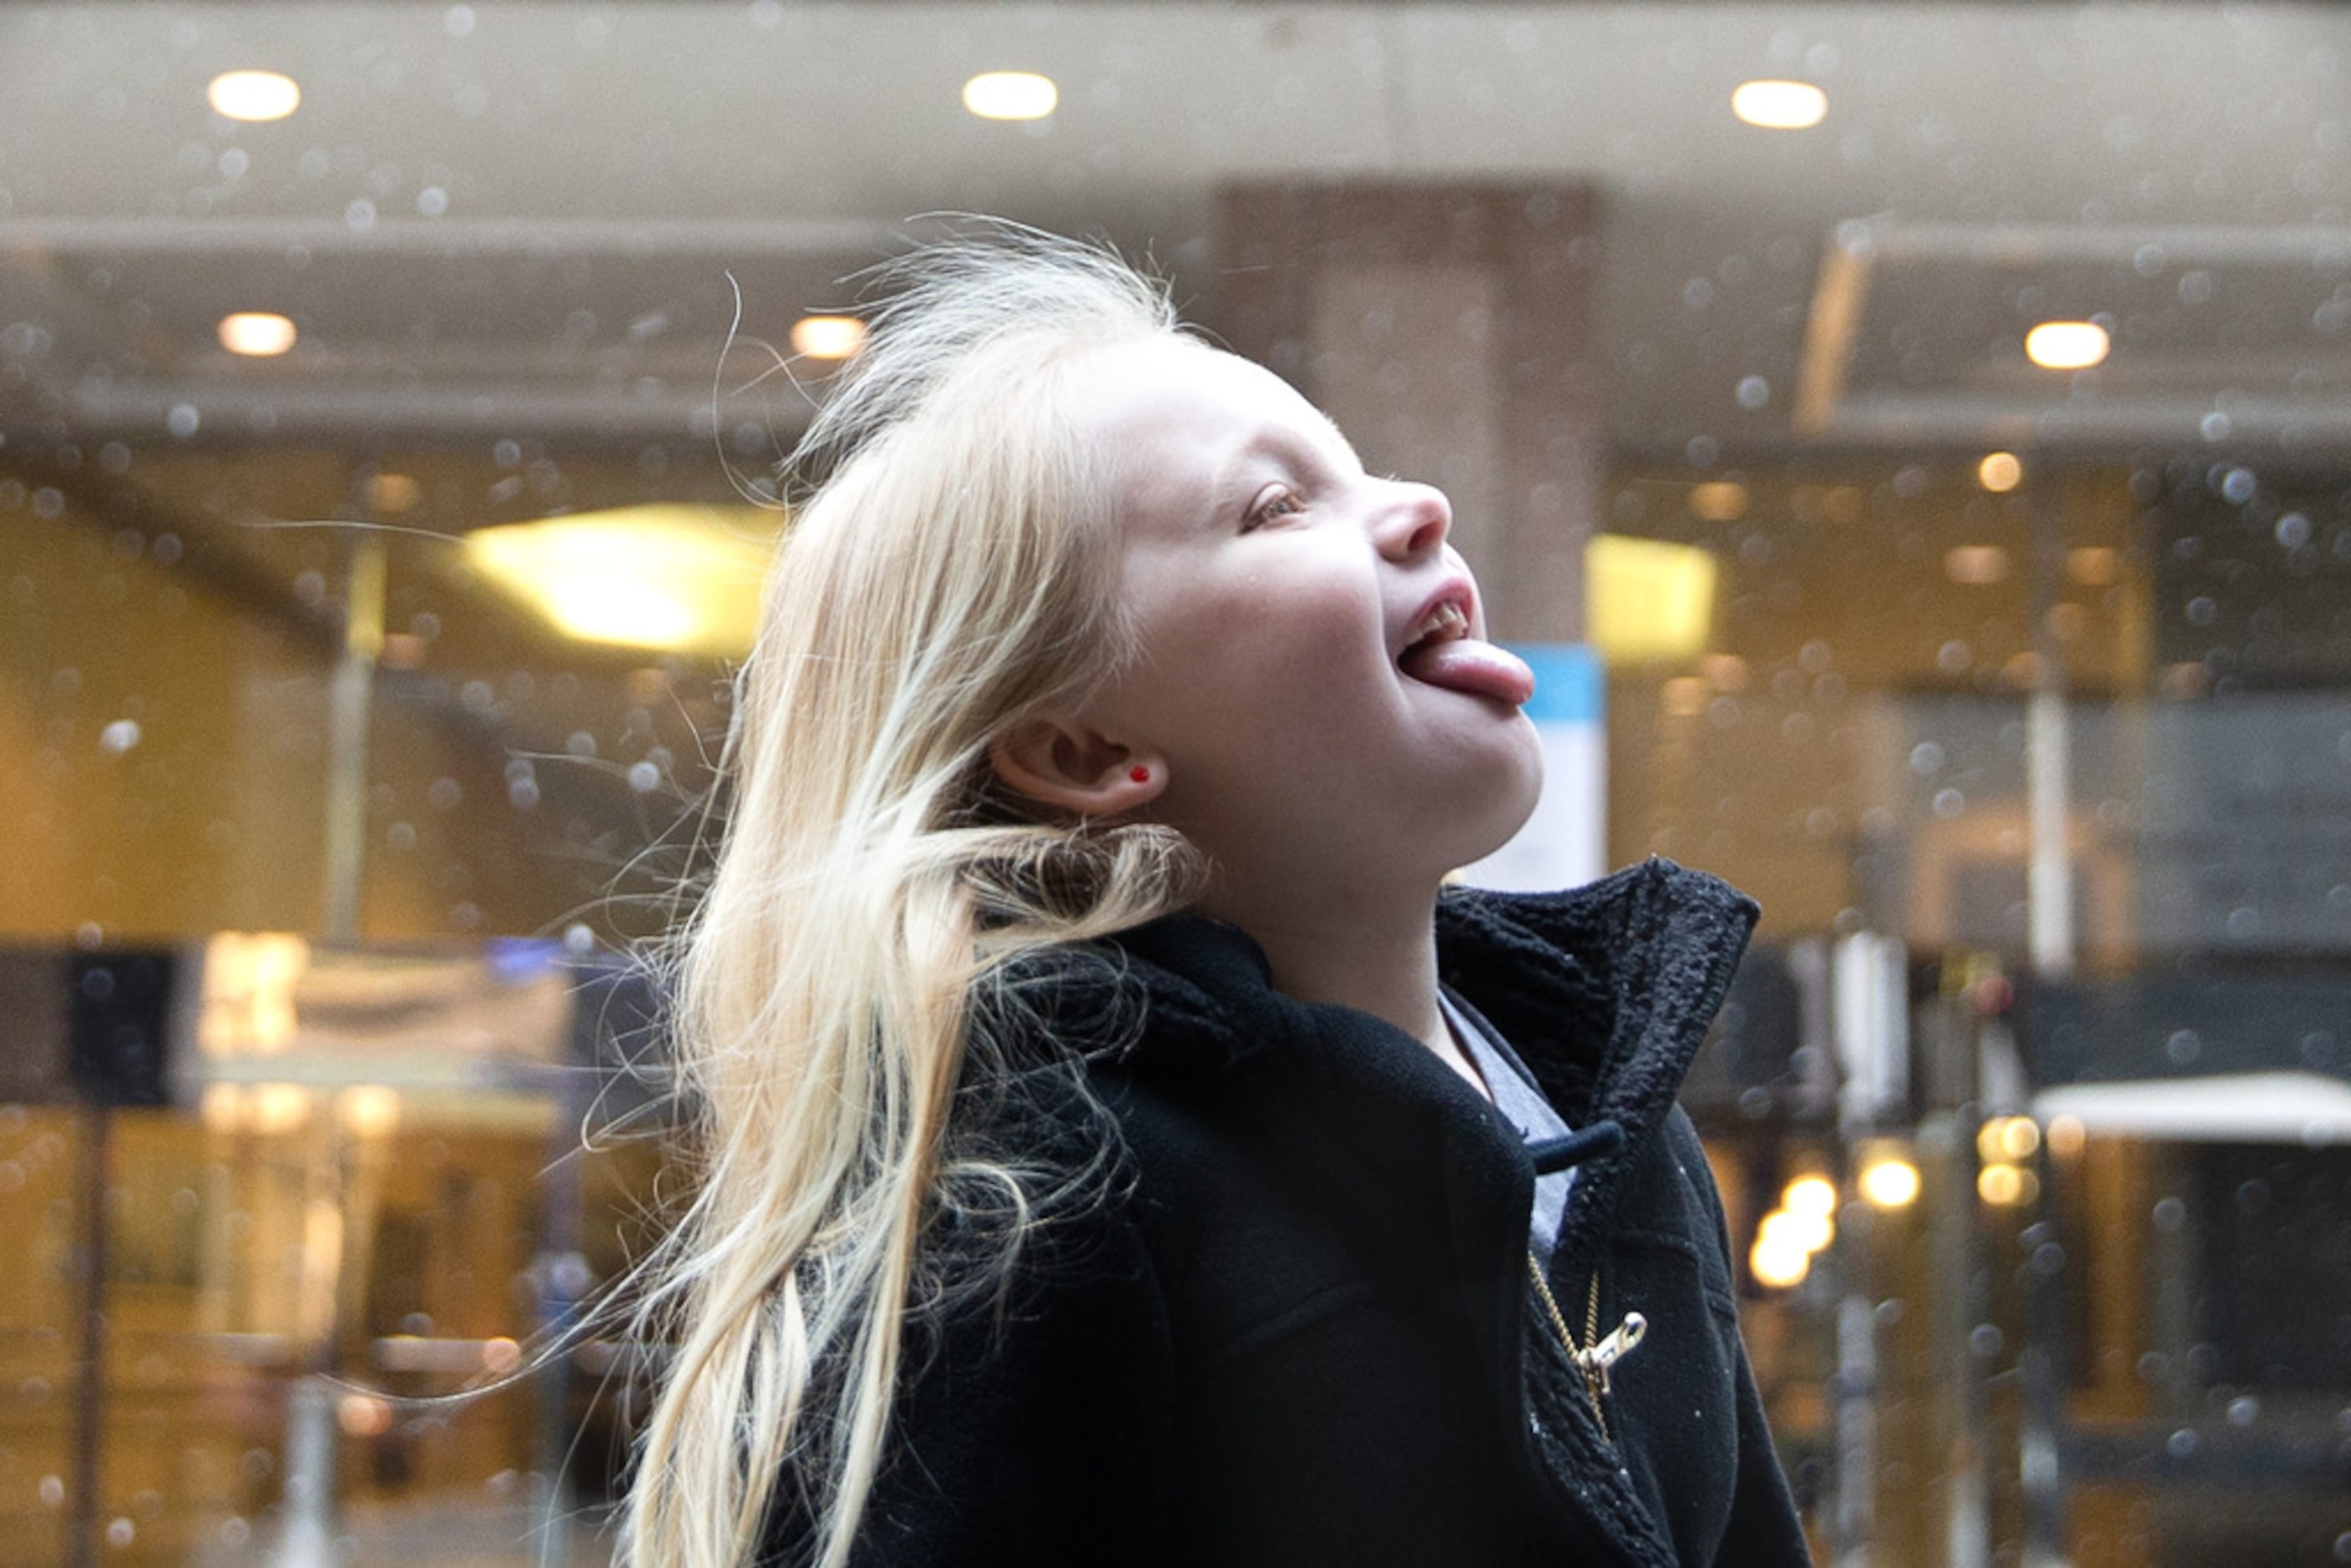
(521, 218)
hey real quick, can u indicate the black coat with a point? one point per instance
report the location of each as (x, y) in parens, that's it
(1297, 1326)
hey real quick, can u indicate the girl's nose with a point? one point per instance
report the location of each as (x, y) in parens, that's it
(1415, 522)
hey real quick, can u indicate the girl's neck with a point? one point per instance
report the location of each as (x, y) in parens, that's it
(1378, 959)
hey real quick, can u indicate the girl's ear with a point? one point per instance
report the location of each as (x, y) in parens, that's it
(1066, 765)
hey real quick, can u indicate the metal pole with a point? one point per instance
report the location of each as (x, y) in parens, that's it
(2049, 888)
(90, 1380)
(1855, 1522)
(311, 1437)
(350, 704)
(2042, 1413)
(562, 1276)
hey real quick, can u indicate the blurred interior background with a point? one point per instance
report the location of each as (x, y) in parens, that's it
(1936, 419)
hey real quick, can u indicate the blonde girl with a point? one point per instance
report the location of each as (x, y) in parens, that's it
(1113, 1146)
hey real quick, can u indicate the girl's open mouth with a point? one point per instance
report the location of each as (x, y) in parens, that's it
(1443, 654)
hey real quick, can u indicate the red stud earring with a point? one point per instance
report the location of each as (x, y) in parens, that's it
(1139, 773)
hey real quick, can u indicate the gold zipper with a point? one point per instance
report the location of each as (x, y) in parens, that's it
(1595, 1355)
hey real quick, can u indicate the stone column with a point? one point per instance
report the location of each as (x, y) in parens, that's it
(1450, 330)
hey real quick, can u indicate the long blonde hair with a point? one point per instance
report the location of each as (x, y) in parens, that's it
(948, 575)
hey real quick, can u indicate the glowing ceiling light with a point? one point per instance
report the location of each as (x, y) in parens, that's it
(2066, 345)
(258, 333)
(1646, 601)
(828, 337)
(683, 578)
(2000, 472)
(253, 95)
(1010, 95)
(1779, 105)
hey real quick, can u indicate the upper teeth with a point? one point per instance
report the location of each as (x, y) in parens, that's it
(1446, 620)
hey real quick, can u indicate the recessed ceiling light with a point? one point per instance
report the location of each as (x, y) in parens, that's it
(1779, 105)
(659, 576)
(2000, 472)
(1010, 95)
(253, 95)
(828, 337)
(2066, 345)
(259, 333)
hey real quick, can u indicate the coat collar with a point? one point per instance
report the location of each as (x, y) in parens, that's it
(1605, 991)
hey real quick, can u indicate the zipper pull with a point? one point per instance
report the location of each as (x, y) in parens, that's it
(1595, 1360)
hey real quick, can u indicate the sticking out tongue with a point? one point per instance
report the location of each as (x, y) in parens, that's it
(1466, 665)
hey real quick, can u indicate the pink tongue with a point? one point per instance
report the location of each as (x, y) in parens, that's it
(1481, 669)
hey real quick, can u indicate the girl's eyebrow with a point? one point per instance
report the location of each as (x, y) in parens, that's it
(1285, 444)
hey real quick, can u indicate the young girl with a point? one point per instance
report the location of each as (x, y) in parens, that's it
(1115, 1143)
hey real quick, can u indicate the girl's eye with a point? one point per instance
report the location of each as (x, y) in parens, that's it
(1272, 506)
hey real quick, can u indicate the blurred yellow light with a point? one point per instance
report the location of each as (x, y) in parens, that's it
(222, 1107)
(370, 1111)
(1717, 501)
(683, 578)
(2067, 1136)
(1778, 1263)
(828, 337)
(1891, 1182)
(2000, 472)
(2005, 1187)
(1812, 1233)
(1726, 671)
(1010, 95)
(258, 333)
(2095, 566)
(253, 95)
(1645, 600)
(2066, 345)
(1810, 1194)
(248, 994)
(1779, 105)
(1976, 566)
(393, 493)
(2007, 1138)
(277, 1107)
(363, 1415)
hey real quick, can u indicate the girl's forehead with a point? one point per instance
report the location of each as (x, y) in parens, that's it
(1169, 384)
